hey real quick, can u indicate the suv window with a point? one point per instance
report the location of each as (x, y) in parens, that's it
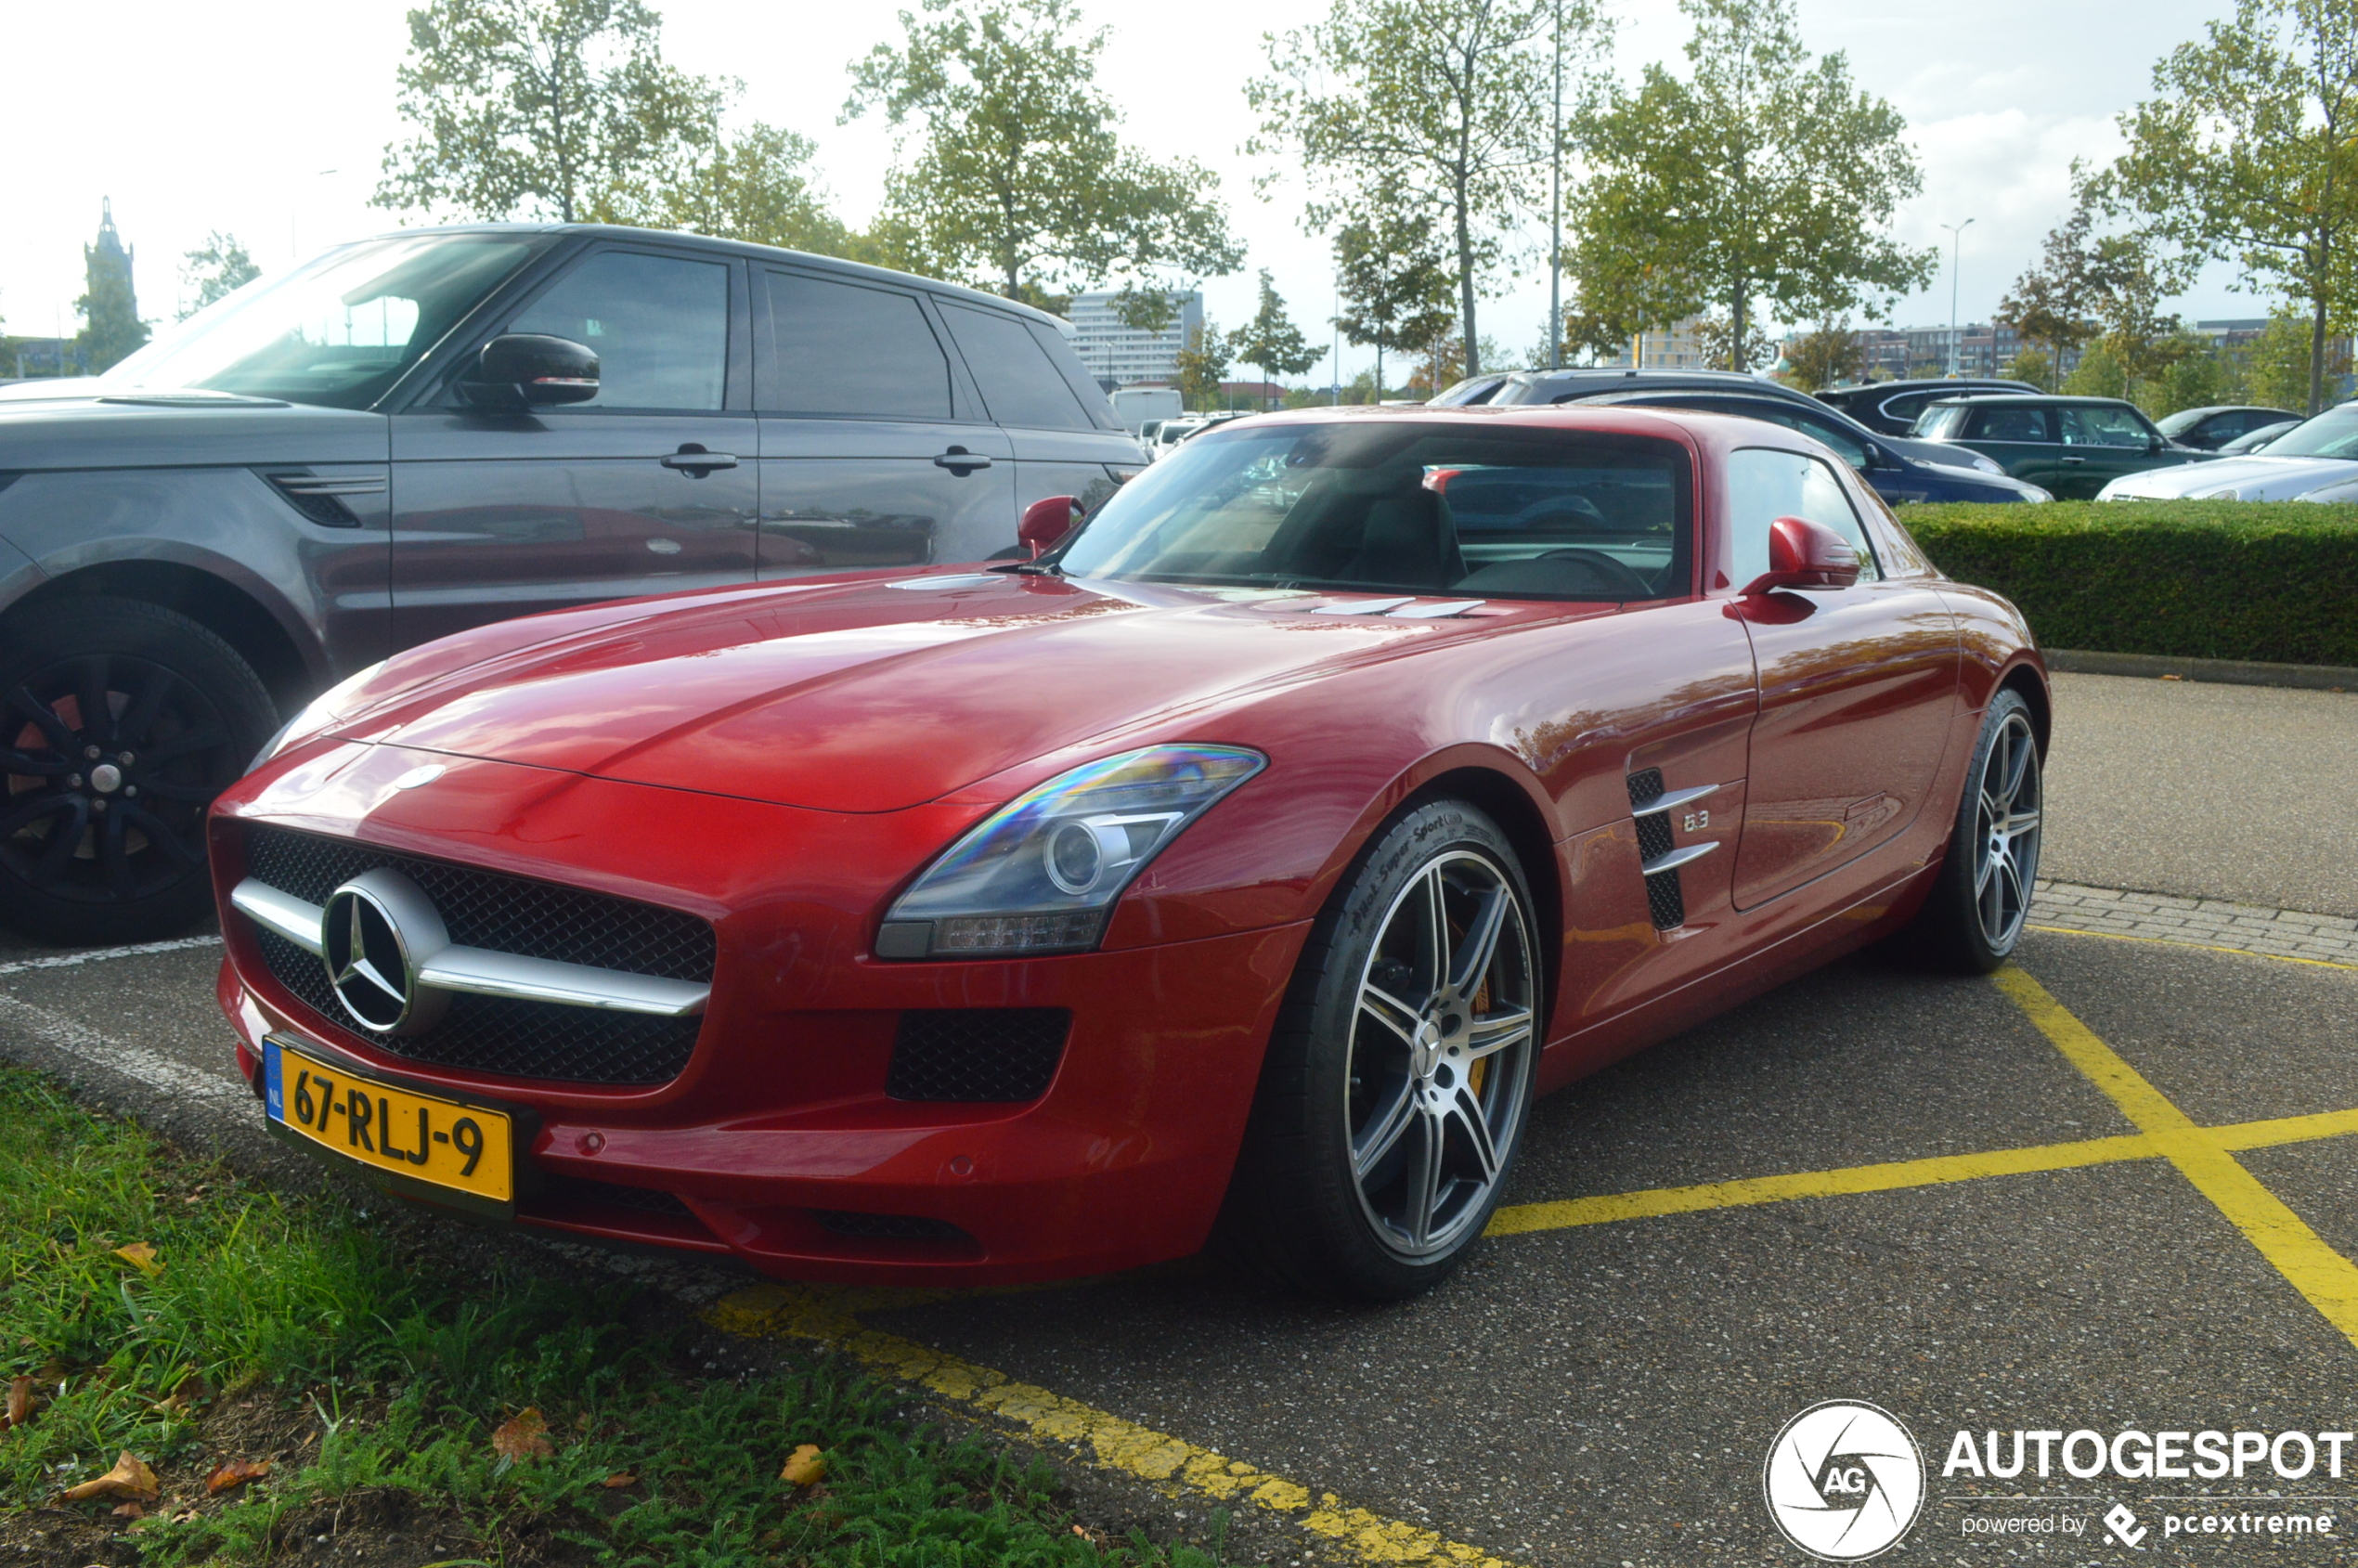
(2103, 427)
(1019, 382)
(660, 325)
(1907, 404)
(847, 348)
(2009, 424)
(1764, 486)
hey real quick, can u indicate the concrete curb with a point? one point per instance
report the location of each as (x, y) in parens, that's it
(2232, 672)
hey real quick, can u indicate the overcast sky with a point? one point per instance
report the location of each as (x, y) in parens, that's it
(268, 119)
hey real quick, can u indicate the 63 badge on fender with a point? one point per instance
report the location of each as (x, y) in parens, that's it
(460, 1152)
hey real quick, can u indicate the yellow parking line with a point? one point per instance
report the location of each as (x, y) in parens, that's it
(1172, 1463)
(2204, 947)
(2327, 1278)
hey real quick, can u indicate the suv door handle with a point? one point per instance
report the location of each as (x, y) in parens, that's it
(693, 459)
(2075, 460)
(957, 460)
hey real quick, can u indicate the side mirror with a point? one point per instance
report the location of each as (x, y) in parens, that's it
(528, 370)
(1046, 524)
(1804, 554)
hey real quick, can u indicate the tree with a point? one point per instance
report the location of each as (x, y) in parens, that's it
(1448, 103)
(538, 108)
(2030, 364)
(111, 329)
(1203, 364)
(1395, 284)
(2052, 301)
(2251, 154)
(2276, 367)
(1016, 174)
(1270, 340)
(756, 186)
(1761, 177)
(215, 269)
(1829, 355)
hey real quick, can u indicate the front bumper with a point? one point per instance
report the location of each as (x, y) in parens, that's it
(779, 1143)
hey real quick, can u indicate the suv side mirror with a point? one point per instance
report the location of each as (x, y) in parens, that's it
(1046, 524)
(528, 370)
(1804, 554)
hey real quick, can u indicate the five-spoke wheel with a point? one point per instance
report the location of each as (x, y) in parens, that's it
(1973, 917)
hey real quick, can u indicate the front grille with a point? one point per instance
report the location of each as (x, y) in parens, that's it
(493, 1034)
(613, 1195)
(976, 1054)
(886, 1227)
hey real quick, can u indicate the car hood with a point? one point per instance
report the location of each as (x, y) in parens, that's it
(84, 424)
(1947, 454)
(2258, 477)
(865, 695)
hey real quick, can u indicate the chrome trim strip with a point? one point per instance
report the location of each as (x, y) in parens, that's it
(1671, 859)
(327, 485)
(485, 973)
(1676, 799)
(281, 913)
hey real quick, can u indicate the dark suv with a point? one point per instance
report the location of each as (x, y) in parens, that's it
(1894, 407)
(439, 427)
(2071, 446)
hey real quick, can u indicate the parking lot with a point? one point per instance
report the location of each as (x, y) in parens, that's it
(2110, 1188)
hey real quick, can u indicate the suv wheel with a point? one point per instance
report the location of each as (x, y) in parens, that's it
(119, 723)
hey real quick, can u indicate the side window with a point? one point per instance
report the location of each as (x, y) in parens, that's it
(1907, 405)
(2010, 425)
(846, 348)
(660, 325)
(2102, 427)
(1019, 382)
(1764, 486)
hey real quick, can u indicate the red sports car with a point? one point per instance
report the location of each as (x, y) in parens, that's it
(1250, 857)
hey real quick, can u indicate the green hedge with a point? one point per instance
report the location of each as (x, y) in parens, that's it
(2272, 580)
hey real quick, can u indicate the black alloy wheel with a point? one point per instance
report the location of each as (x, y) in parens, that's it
(119, 721)
(1393, 1096)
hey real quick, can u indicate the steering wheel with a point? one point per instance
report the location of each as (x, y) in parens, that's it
(1615, 574)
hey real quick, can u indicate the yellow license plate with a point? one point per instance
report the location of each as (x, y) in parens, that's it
(466, 1148)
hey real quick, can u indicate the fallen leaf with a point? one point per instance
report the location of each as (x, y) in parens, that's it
(141, 1256)
(236, 1473)
(804, 1467)
(618, 1480)
(130, 1478)
(131, 1511)
(20, 1402)
(524, 1435)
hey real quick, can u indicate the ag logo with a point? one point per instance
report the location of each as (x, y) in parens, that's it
(1844, 1481)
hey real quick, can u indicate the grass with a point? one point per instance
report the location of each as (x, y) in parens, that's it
(289, 1321)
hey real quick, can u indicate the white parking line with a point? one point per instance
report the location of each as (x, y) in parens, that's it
(159, 1072)
(92, 956)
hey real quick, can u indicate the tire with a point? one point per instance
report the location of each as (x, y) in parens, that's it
(1379, 1063)
(1972, 919)
(95, 848)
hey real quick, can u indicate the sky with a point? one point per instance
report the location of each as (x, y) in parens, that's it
(267, 119)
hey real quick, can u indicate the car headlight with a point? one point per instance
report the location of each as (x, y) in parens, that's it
(320, 712)
(1037, 874)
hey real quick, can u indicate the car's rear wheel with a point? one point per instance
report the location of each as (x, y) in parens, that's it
(1395, 1091)
(119, 723)
(1972, 920)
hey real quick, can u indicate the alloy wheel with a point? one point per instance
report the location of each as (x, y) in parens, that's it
(2006, 819)
(1441, 1047)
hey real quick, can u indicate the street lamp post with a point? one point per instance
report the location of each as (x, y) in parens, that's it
(1957, 251)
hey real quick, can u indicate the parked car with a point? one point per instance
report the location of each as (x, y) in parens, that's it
(1256, 853)
(2258, 439)
(2073, 447)
(1893, 407)
(2315, 461)
(2212, 429)
(1898, 470)
(1139, 407)
(419, 434)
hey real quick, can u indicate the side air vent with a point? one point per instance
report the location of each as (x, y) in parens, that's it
(978, 1054)
(319, 496)
(1659, 854)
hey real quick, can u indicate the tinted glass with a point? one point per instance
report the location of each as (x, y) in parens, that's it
(1906, 406)
(2009, 424)
(1407, 508)
(846, 348)
(338, 331)
(2187, 418)
(2102, 427)
(1019, 382)
(1941, 421)
(1764, 486)
(658, 324)
(1852, 449)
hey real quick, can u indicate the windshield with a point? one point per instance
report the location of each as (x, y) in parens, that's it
(2333, 434)
(339, 331)
(1405, 508)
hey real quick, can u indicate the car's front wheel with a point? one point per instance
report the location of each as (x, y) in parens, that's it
(1396, 1084)
(119, 723)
